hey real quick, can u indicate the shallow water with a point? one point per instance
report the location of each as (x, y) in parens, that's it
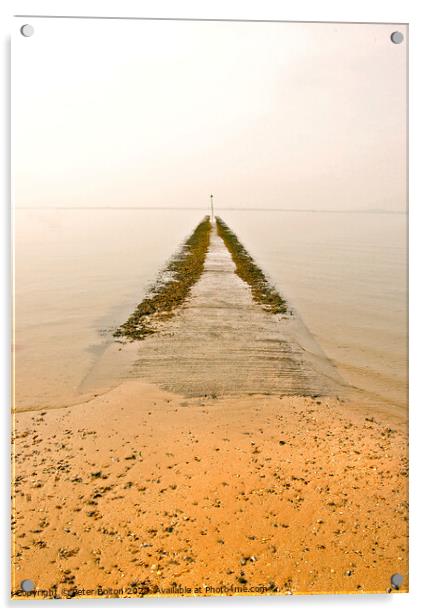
(346, 275)
(79, 273)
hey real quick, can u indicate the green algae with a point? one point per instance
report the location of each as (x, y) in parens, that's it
(172, 288)
(263, 292)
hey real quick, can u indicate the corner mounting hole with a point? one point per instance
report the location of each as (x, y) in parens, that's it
(27, 30)
(27, 585)
(396, 581)
(397, 37)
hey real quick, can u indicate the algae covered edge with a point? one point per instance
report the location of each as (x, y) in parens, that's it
(262, 290)
(172, 288)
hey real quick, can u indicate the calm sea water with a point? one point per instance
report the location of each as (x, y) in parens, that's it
(79, 273)
(346, 275)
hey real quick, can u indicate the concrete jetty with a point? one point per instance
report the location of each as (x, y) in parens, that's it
(223, 343)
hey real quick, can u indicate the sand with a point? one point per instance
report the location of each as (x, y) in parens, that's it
(140, 492)
(187, 479)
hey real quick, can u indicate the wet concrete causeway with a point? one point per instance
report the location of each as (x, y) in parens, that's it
(222, 343)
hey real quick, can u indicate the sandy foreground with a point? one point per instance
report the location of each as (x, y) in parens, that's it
(140, 492)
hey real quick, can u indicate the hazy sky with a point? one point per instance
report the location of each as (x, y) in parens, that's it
(157, 113)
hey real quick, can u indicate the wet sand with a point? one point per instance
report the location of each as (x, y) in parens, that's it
(141, 489)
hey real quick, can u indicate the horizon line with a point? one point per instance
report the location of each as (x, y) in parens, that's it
(201, 209)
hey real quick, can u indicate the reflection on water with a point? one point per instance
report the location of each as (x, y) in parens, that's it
(79, 273)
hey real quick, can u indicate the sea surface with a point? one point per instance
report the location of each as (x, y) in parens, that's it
(80, 272)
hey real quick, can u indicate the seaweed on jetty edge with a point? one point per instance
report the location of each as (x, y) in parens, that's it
(263, 291)
(172, 288)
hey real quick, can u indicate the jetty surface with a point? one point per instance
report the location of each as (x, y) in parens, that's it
(222, 342)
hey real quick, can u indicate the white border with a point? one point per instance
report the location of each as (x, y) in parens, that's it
(396, 11)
